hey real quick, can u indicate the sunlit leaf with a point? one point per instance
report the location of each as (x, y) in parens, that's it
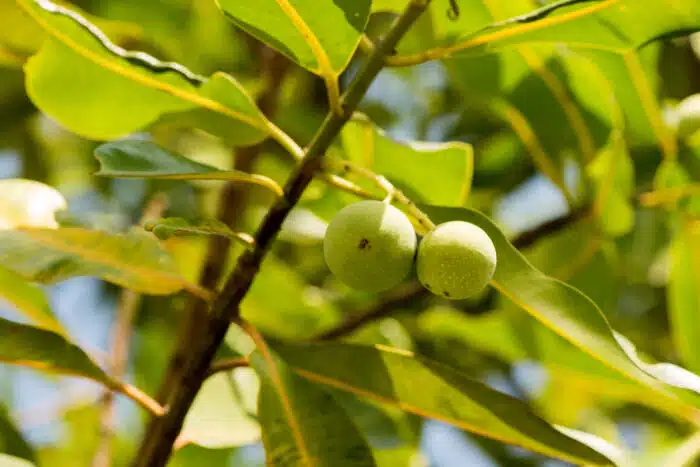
(11, 440)
(133, 260)
(613, 173)
(46, 351)
(101, 91)
(11, 461)
(684, 294)
(572, 315)
(320, 35)
(26, 203)
(439, 173)
(390, 377)
(302, 425)
(216, 419)
(580, 23)
(29, 300)
(144, 159)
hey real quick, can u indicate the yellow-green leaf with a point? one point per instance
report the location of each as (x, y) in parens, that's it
(302, 425)
(391, 377)
(46, 351)
(101, 91)
(133, 260)
(320, 35)
(437, 173)
(29, 300)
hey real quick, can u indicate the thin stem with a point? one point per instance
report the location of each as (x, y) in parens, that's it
(141, 398)
(228, 364)
(158, 440)
(421, 220)
(129, 302)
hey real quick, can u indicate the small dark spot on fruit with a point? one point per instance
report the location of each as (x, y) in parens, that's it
(364, 244)
(446, 293)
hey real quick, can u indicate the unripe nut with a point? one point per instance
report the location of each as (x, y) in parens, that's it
(370, 246)
(456, 260)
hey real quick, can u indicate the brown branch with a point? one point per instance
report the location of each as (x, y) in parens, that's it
(232, 203)
(121, 337)
(158, 440)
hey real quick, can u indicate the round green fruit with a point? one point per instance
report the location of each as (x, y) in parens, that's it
(370, 246)
(456, 260)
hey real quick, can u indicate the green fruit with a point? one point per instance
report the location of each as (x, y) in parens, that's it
(456, 260)
(370, 246)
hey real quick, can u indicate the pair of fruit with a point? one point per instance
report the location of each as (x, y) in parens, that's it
(372, 245)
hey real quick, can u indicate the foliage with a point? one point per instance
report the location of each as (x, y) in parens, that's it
(169, 172)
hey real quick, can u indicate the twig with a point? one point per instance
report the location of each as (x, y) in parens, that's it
(121, 337)
(227, 364)
(158, 440)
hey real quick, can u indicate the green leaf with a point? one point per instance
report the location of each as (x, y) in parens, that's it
(144, 159)
(101, 91)
(29, 300)
(26, 203)
(319, 35)
(613, 173)
(579, 23)
(11, 461)
(216, 419)
(684, 294)
(46, 351)
(438, 173)
(11, 440)
(303, 425)
(573, 316)
(177, 226)
(391, 377)
(301, 310)
(133, 260)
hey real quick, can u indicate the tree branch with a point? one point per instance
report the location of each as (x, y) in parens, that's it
(162, 432)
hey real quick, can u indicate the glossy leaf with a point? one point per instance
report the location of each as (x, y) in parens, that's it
(302, 425)
(101, 91)
(46, 351)
(684, 294)
(579, 23)
(11, 440)
(216, 419)
(29, 300)
(390, 377)
(573, 316)
(133, 260)
(319, 35)
(144, 159)
(439, 173)
(26, 203)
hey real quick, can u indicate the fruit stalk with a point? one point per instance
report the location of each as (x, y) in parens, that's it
(158, 440)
